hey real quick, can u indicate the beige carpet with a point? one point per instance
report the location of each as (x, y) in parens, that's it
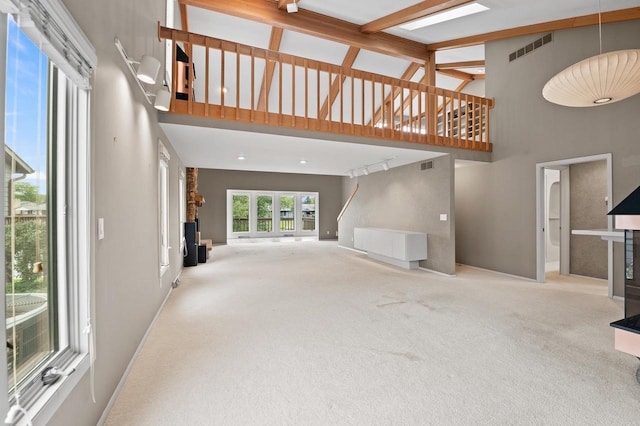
(308, 333)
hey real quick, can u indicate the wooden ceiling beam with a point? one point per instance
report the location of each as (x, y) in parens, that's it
(630, 14)
(265, 87)
(184, 21)
(335, 89)
(458, 65)
(411, 13)
(457, 74)
(317, 25)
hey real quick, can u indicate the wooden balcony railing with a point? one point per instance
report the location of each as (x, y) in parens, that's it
(253, 85)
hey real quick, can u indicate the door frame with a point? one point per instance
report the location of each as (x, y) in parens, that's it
(540, 207)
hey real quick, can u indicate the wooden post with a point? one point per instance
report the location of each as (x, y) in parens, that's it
(431, 106)
(192, 191)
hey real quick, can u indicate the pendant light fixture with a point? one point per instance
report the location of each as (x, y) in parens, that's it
(599, 80)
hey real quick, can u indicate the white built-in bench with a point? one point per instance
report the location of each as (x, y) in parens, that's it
(400, 248)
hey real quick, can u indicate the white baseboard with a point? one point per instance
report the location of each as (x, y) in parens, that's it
(442, 274)
(123, 379)
(352, 249)
(618, 298)
(500, 273)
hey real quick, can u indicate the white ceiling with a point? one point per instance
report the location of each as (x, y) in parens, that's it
(214, 148)
(218, 148)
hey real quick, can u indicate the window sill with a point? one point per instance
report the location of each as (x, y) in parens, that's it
(44, 408)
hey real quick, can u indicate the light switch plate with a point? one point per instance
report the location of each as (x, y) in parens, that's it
(443, 217)
(101, 228)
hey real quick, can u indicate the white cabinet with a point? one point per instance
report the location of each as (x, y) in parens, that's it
(400, 248)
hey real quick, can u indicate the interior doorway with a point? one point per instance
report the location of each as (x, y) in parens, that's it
(555, 220)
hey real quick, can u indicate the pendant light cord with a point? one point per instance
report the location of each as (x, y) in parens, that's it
(600, 25)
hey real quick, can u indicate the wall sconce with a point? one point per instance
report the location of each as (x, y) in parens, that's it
(146, 72)
(365, 171)
(385, 165)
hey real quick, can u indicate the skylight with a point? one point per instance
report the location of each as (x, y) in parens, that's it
(447, 15)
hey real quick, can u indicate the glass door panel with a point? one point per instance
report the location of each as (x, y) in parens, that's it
(287, 213)
(308, 212)
(264, 206)
(240, 213)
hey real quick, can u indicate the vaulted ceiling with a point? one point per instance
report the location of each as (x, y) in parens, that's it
(365, 34)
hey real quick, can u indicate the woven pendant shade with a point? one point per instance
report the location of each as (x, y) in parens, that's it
(598, 80)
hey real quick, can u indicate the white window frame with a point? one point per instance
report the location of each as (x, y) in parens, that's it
(57, 33)
(163, 202)
(183, 207)
(253, 221)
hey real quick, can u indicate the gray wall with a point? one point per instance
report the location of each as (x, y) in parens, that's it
(408, 199)
(588, 183)
(127, 288)
(525, 130)
(213, 184)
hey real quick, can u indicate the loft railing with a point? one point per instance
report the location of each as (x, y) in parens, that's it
(225, 80)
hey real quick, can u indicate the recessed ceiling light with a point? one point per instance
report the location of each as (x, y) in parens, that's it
(303, 161)
(241, 157)
(447, 15)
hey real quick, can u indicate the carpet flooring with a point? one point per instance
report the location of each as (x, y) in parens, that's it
(308, 333)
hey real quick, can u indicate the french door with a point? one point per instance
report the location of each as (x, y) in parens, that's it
(255, 214)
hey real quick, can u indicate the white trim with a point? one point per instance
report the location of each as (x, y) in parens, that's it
(442, 274)
(620, 298)
(123, 379)
(352, 249)
(499, 273)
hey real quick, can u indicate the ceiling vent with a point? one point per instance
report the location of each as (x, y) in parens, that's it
(426, 165)
(548, 38)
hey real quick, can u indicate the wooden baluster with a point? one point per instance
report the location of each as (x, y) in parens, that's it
(329, 103)
(487, 128)
(293, 94)
(353, 105)
(206, 78)
(174, 76)
(252, 108)
(341, 94)
(419, 114)
(362, 123)
(306, 94)
(189, 76)
(264, 87)
(238, 74)
(373, 105)
(411, 119)
(279, 89)
(222, 59)
(318, 97)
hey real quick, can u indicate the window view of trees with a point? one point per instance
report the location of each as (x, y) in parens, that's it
(27, 267)
(265, 213)
(27, 209)
(240, 213)
(308, 212)
(287, 213)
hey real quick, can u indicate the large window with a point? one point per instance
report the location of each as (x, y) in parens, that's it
(46, 204)
(163, 196)
(259, 214)
(31, 205)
